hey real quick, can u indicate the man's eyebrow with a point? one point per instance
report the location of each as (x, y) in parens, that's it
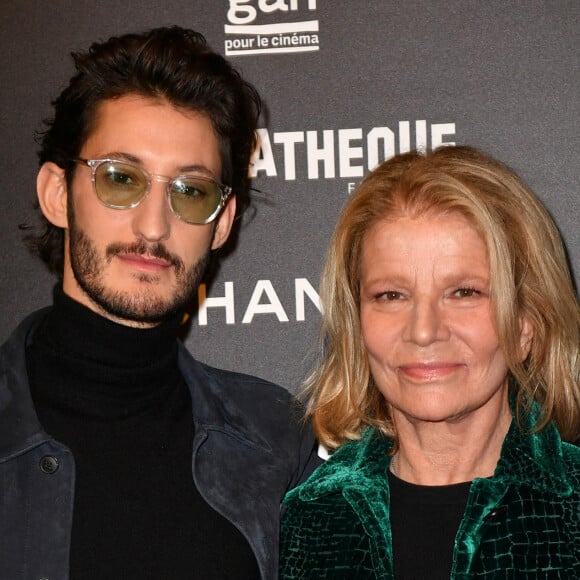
(193, 168)
(120, 156)
(196, 169)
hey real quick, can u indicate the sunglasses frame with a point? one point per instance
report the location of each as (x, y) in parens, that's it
(94, 164)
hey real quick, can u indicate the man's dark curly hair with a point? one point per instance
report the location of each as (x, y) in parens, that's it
(174, 64)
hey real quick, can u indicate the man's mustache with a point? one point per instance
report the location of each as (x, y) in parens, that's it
(141, 248)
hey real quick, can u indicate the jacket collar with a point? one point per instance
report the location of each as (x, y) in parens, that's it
(527, 459)
(533, 459)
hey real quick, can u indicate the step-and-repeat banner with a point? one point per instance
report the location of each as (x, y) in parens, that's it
(346, 84)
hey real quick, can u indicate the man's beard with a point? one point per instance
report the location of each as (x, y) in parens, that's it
(141, 306)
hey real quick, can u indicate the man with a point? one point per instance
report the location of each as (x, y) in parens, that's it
(120, 455)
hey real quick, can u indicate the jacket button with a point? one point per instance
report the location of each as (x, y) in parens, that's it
(49, 464)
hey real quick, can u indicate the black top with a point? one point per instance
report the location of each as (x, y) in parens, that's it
(115, 397)
(424, 522)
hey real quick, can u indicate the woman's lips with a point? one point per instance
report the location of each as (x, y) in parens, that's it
(428, 371)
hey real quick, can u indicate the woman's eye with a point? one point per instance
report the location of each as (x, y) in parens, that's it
(466, 292)
(391, 295)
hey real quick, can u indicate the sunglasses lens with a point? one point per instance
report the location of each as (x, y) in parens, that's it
(195, 200)
(120, 185)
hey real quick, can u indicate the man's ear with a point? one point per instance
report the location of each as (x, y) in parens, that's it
(526, 336)
(52, 194)
(224, 224)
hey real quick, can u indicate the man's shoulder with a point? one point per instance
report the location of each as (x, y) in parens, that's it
(241, 401)
(237, 383)
(19, 427)
(18, 336)
(12, 351)
(261, 414)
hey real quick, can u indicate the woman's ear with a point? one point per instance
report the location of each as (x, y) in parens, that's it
(52, 194)
(224, 224)
(526, 336)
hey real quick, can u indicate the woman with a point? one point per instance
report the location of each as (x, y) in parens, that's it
(449, 380)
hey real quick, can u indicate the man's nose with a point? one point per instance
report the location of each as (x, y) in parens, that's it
(152, 219)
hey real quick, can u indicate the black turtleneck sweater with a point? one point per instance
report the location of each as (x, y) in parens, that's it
(115, 397)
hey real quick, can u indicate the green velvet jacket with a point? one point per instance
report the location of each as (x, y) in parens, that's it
(524, 522)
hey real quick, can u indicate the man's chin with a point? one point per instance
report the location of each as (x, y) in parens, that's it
(134, 310)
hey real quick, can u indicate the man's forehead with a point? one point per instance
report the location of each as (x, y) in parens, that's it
(142, 129)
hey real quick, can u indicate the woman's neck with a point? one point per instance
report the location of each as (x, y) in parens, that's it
(449, 452)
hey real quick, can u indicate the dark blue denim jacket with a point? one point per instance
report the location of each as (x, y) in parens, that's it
(244, 428)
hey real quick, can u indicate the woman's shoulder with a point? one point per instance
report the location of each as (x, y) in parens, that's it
(571, 459)
(358, 463)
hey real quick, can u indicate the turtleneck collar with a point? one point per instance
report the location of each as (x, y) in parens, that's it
(85, 364)
(85, 335)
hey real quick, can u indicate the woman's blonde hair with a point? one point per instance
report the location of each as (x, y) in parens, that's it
(529, 278)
